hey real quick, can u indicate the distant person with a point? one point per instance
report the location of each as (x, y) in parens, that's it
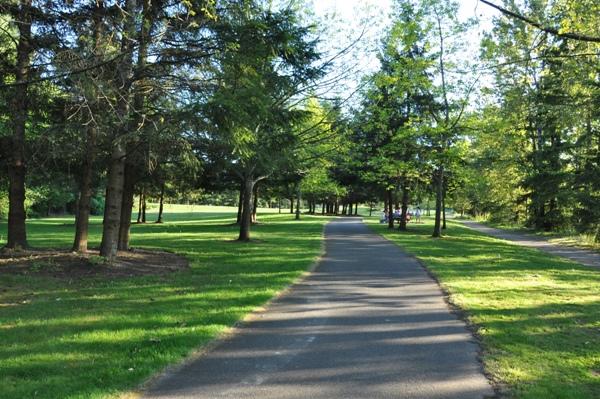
(418, 215)
(384, 217)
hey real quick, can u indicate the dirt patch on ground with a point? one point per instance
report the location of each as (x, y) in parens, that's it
(69, 265)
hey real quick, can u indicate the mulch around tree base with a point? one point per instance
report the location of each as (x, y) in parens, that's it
(64, 264)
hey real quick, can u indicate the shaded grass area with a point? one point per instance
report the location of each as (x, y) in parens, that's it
(94, 338)
(538, 316)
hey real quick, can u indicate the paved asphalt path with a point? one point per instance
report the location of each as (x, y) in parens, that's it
(531, 240)
(367, 323)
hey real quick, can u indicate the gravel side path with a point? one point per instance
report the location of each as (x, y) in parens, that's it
(530, 240)
(367, 323)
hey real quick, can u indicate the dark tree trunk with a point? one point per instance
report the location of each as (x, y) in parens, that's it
(292, 204)
(116, 168)
(82, 220)
(405, 189)
(114, 202)
(139, 217)
(246, 210)
(298, 201)
(131, 167)
(437, 232)
(144, 207)
(17, 233)
(161, 201)
(390, 206)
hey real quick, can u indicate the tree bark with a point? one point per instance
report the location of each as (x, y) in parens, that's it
(246, 210)
(437, 233)
(160, 206)
(139, 217)
(298, 201)
(404, 208)
(390, 206)
(114, 202)
(17, 232)
(82, 221)
(131, 166)
(116, 169)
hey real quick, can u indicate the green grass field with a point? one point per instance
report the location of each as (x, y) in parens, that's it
(96, 339)
(538, 316)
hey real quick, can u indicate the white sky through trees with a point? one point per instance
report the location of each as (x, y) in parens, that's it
(349, 20)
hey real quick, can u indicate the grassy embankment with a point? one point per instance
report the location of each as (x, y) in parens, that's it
(538, 316)
(96, 339)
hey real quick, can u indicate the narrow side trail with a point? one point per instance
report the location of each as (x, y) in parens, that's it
(531, 240)
(367, 323)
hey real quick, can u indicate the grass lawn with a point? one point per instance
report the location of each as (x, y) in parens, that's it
(538, 316)
(94, 338)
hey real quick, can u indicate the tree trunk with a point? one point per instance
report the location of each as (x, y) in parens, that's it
(114, 202)
(139, 217)
(17, 233)
(144, 207)
(437, 233)
(298, 200)
(160, 205)
(246, 210)
(82, 221)
(131, 167)
(292, 203)
(116, 169)
(390, 206)
(404, 208)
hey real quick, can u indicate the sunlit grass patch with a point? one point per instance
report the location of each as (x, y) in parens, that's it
(538, 316)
